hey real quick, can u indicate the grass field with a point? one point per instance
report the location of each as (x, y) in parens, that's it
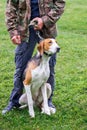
(70, 96)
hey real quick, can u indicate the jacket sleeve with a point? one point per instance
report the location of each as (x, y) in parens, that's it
(56, 11)
(11, 17)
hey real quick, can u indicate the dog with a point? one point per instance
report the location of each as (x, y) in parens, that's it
(37, 72)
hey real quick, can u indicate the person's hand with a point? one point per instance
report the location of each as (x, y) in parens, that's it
(39, 24)
(16, 40)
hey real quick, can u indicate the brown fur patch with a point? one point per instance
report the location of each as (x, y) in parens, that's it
(44, 45)
(40, 47)
(47, 44)
(28, 77)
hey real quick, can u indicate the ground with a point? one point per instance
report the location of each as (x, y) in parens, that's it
(70, 95)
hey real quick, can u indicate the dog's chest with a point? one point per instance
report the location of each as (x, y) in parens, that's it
(40, 74)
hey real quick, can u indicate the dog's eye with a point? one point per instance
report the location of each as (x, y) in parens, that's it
(50, 42)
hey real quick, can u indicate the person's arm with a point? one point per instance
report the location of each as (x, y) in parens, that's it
(54, 14)
(11, 17)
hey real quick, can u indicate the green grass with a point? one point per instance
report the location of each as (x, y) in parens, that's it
(70, 96)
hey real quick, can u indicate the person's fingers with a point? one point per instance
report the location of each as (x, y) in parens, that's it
(16, 39)
(19, 39)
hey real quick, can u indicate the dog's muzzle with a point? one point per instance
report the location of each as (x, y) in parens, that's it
(58, 49)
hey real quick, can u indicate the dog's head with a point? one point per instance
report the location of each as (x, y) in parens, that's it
(48, 46)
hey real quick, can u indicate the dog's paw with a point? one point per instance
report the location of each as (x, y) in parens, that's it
(52, 110)
(46, 111)
(32, 115)
(23, 106)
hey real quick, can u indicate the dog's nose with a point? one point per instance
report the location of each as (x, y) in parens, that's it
(58, 49)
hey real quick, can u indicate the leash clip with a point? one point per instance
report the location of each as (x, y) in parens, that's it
(38, 34)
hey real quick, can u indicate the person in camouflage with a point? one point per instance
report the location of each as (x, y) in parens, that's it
(19, 14)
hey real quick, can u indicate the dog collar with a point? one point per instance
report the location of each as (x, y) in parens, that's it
(47, 54)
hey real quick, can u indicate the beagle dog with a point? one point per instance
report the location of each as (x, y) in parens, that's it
(37, 90)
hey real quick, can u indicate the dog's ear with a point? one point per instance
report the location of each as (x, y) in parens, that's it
(40, 48)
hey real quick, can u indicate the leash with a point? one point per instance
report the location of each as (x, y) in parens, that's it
(33, 24)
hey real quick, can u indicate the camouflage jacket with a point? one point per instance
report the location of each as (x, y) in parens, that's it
(18, 13)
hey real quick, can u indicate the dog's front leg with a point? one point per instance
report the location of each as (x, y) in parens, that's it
(30, 100)
(45, 108)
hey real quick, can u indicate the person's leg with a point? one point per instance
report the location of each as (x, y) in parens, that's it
(22, 56)
(51, 79)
